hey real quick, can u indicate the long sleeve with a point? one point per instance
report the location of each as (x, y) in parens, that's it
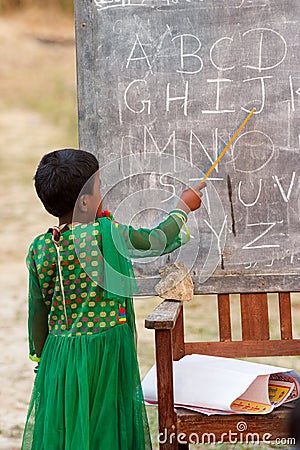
(37, 314)
(165, 238)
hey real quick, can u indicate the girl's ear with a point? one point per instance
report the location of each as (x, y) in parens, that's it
(83, 204)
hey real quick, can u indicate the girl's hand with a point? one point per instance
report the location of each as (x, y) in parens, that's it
(190, 199)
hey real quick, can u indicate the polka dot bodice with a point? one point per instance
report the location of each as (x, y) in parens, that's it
(87, 309)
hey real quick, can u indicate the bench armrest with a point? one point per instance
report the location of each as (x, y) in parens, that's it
(164, 316)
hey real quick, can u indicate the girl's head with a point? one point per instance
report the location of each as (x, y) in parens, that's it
(64, 174)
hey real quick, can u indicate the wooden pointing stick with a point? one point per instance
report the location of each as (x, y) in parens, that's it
(228, 144)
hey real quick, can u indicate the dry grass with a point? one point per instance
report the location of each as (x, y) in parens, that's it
(38, 73)
(60, 5)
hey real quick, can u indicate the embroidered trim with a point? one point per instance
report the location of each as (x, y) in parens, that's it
(122, 315)
(34, 358)
(55, 240)
(106, 213)
(180, 213)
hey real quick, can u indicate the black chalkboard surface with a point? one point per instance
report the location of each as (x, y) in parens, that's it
(162, 85)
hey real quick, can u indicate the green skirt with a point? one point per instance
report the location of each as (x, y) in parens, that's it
(87, 395)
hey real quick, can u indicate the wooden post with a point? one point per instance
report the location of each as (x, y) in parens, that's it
(165, 393)
(178, 337)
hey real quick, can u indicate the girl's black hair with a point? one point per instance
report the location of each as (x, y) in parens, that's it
(61, 176)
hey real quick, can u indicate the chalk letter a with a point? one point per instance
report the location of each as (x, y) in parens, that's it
(141, 52)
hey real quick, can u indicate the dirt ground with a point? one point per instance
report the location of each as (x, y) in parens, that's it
(22, 133)
(37, 114)
(25, 135)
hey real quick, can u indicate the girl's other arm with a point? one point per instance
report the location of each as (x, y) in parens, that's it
(37, 317)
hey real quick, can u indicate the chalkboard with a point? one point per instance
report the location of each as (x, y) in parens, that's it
(162, 85)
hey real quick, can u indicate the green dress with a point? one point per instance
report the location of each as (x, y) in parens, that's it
(87, 393)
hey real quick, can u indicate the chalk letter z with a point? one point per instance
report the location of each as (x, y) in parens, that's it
(249, 246)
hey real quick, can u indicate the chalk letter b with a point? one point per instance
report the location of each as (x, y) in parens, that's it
(193, 54)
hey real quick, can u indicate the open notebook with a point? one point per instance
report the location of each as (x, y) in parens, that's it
(214, 385)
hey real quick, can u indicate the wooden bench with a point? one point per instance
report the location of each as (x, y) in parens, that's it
(179, 427)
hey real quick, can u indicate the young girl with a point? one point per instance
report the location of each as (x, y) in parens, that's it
(87, 393)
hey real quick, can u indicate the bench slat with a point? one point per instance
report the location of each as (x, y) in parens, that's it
(224, 317)
(285, 315)
(245, 349)
(255, 316)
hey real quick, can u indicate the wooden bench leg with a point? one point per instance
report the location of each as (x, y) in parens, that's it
(164, 372)
(169, 346)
